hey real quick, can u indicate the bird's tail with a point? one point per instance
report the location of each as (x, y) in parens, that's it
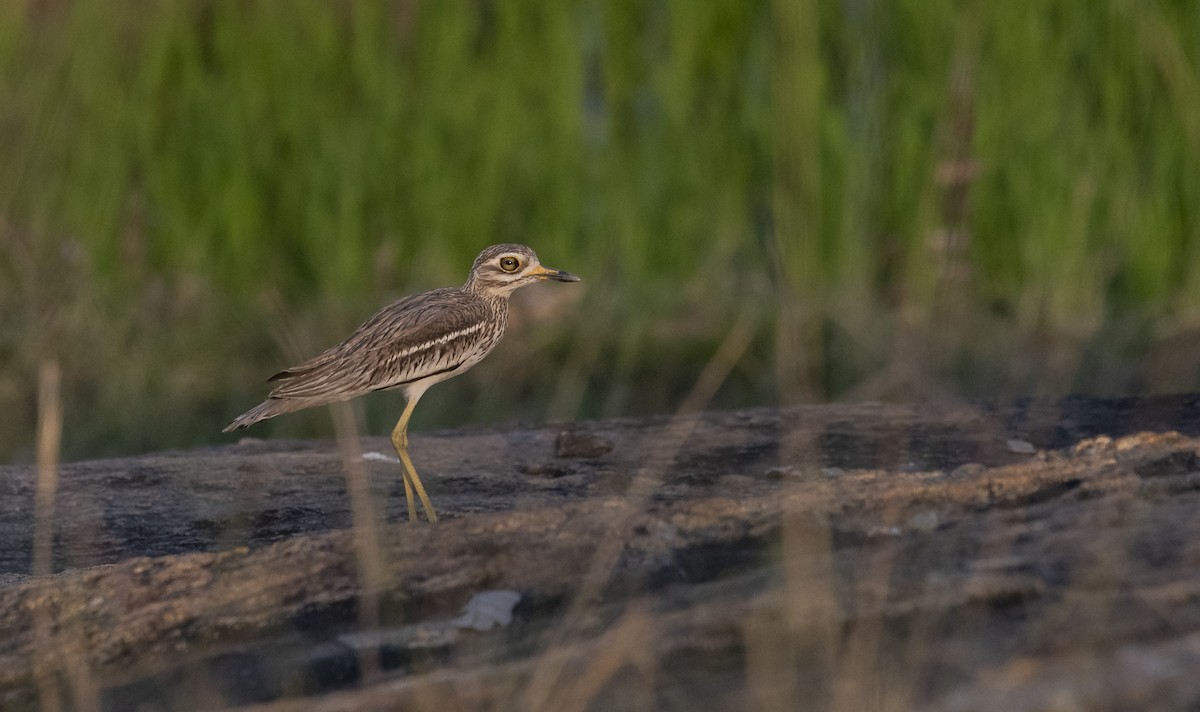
(269, 408)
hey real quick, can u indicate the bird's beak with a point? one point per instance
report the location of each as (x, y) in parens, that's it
(556, 274)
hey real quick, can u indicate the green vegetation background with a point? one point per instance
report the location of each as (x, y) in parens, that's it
(860, 199)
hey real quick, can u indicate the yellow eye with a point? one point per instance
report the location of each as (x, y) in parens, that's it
(509, 264)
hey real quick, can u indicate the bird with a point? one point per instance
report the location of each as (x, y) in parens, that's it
(412, 344)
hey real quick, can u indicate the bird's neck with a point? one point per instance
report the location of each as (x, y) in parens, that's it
(497, 300)
(490, 294)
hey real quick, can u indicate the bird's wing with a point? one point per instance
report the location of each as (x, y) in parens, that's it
(410, 339)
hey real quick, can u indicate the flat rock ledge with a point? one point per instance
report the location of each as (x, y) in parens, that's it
(1035, 555)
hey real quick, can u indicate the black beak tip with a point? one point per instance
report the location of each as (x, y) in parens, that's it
(560, 276)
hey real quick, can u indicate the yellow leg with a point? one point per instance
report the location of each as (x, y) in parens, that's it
(408, 493)
(411, 480)
(416, 483)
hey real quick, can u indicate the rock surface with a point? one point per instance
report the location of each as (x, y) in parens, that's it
(848, 557)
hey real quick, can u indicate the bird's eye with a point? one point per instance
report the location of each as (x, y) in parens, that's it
(509, 264)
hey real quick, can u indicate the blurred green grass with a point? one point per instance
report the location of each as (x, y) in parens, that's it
(909, 199)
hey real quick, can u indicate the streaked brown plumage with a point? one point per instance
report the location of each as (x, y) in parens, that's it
(412, 344)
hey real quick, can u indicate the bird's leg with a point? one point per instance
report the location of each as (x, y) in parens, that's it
(411, 480)
(416, 483)
(409, 499)
(400, 442)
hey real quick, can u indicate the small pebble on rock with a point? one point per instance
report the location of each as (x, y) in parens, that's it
(1021, 447)
(571, 443)
(926, 521)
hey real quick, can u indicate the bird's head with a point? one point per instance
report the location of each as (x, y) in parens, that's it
(502, 268)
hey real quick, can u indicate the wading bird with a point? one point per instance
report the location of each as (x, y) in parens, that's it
(412, 344)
